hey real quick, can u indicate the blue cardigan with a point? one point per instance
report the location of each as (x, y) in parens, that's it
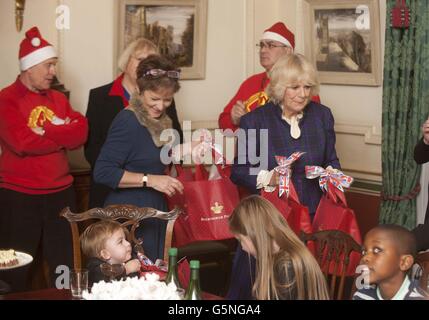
(129, 146)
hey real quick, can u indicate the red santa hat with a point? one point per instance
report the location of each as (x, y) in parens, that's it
(279, 32)
(34, 50)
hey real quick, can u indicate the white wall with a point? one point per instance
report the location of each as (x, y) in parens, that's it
(225, 63)
(87, 48)
(234, 27)
(357, 109)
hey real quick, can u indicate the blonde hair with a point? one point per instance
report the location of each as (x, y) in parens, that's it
(140, 44)
(94, 238)
(258, 219)
(290, 70)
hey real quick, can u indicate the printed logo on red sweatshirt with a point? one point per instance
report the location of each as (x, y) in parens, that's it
(39, 115)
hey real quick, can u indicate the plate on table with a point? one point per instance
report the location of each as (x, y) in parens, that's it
(23, 260)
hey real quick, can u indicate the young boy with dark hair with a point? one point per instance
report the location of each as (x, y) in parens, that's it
(389, 252)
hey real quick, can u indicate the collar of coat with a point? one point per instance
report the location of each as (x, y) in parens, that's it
(154, 126)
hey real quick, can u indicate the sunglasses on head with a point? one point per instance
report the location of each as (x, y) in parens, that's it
(156, 73)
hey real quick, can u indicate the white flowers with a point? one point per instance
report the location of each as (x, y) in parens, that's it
(149, 288)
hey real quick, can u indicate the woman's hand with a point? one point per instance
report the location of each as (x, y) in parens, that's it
(165, 184)
(132, 266)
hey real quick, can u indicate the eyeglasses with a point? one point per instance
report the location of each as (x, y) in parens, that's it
(156, 73)
(269, 45)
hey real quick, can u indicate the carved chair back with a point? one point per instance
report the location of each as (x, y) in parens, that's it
(332, 251)
(422, 260)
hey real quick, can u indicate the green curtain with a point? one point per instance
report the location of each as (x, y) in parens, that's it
(405, 108)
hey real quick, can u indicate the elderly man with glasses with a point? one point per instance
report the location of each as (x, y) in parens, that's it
(276, 41)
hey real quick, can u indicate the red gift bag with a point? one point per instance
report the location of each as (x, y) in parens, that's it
(207, 206)
(184, 175)
(243, 192)
(296, 215)
(285, 198)
(333, 214)
(184, 273)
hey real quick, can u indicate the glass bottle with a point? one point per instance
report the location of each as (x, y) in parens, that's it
(194, 291)
(172, 275)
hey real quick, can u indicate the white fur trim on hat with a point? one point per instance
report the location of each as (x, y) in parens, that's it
(37, 57)
(268, 35)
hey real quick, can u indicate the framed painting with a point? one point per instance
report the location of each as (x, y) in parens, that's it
(177, 27)
(342, 39)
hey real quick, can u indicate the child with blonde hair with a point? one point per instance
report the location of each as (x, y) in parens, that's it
(285, 268)
(105, 242)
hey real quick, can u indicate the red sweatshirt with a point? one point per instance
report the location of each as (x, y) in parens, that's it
(31, 163)
(252, 93)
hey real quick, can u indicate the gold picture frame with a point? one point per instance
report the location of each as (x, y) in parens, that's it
(342, 39)
(178, 27)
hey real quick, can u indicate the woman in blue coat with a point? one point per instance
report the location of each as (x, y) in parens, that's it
(130, 160)
(291, 123)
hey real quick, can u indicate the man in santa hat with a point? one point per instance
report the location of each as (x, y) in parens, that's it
(37, 127)
(276, 41)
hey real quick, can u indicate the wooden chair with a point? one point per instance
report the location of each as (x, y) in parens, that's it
(333, 249)
(131, 215)
(422, 260)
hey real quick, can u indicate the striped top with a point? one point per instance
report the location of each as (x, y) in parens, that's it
(409, 290)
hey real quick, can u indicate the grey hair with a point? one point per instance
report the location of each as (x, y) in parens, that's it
(289, 70)
(135, 46)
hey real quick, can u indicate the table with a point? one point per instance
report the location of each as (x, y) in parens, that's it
(44, 294)
(64, 294)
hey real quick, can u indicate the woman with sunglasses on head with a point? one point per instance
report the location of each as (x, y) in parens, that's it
(107, 101)
(130, 159)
